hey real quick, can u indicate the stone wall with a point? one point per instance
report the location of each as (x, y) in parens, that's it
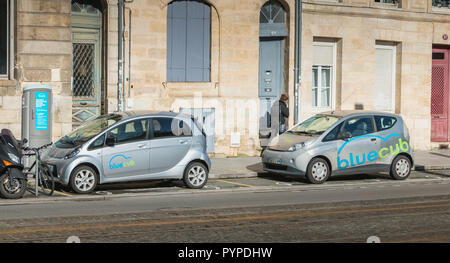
(233, 89)
(358, 29)
(43, 56)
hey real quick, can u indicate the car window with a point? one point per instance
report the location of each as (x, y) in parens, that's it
(98, 143)
(130, 131)
(333, 134)
(170, 127)
(384, 122)
(358, 126)
(317, 124)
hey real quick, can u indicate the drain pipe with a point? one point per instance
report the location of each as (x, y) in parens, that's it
(124, 66)
(120, 4)
(298, 53)
(124, 98)
(129, 52)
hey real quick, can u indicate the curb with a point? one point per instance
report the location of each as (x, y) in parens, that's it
(233, 176)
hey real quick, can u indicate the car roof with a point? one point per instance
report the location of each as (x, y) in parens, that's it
(142, 113)
(345, 113)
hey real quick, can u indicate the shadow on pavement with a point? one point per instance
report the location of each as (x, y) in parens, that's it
(302, 179)
(438, 173)
(257, 167)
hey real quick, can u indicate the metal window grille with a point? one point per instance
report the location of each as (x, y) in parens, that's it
(441, 3)
(437, 90)
(272, 12)
(83, 70)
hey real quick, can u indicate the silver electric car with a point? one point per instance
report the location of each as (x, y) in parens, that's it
(131, 146)
(342, 142)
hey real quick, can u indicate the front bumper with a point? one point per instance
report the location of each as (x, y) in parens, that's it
(286, 163)
(58, 168)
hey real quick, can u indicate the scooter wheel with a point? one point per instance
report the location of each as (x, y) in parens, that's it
(14, 190)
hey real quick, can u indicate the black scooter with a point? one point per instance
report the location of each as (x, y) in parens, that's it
(13, 183)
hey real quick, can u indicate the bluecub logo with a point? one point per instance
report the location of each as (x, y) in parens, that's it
(355, 159)
(120, 161)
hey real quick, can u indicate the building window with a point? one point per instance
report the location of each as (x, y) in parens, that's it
(5, 37)
(324, 75)
(384, 92)
(188, 41)
(441, 3)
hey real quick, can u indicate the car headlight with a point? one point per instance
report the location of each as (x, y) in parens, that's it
(296, 147)
(14, 158)
(72, 153)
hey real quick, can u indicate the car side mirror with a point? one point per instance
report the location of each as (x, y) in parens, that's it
(344, 136)
(111, 141)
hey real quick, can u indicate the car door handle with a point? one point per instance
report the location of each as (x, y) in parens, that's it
(182, 141)
(142, 145)
(373, 139)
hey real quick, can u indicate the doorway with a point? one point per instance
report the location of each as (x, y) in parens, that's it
(440, 95)
(272, 63)
(87, 75)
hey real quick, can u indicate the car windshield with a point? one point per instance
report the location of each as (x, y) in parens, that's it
(88, 130)
(315, 125)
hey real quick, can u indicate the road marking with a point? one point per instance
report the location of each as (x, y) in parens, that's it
(56, 192)
(232, 219)
(228, 182)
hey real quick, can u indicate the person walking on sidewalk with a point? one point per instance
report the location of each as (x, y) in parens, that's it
(284, 112)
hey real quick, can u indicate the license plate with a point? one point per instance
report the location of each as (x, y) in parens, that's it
(276, 161)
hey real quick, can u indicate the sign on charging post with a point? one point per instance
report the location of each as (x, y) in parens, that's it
(41, 111)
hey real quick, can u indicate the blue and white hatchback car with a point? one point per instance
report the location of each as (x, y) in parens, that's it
(131, 146)
(342, 142)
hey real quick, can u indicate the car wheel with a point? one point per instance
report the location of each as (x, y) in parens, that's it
(84, 180)
(196, 175)
(400, 168)
(318, 171)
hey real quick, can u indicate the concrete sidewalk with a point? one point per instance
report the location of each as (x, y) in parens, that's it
(236, 167)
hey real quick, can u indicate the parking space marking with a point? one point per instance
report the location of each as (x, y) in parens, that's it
(228, 182)
(61, 193)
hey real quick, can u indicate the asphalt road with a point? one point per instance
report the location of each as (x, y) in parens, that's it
(266, 209)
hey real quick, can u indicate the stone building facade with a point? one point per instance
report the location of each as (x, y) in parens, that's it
(363, 54)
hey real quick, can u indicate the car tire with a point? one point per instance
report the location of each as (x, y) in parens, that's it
(400, 167)
(318, 171)
(83, 180)
(195, 175)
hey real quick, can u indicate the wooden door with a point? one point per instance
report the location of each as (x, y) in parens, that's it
(439, 95)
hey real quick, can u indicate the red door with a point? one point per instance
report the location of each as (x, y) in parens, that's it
(440, 95)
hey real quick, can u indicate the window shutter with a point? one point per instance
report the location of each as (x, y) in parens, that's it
(188, 41)
(384, 74)
(176, 41)
(323, 55)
